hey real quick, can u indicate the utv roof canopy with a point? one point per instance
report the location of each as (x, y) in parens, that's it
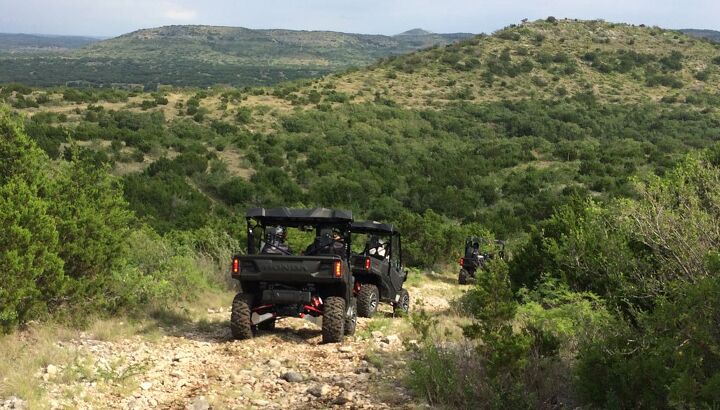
(294, 216)
(373, 227)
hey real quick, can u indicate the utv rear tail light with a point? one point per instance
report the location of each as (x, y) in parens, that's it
(236, 265)
(367, 263)
(461, 261)
(337, 269)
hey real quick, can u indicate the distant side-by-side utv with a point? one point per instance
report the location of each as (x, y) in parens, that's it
(475, 258)
(276, 283)
(378, 269)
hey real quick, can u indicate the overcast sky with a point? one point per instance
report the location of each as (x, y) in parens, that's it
(114, 17)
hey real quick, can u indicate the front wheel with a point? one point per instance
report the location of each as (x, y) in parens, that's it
(402, 306)
(333, 321)
(368, 299)
(240, 324)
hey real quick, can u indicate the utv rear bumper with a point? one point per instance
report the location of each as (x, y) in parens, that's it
(279, 296)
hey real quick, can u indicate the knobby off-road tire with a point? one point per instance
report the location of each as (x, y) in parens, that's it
(351, 318)
(368, 300)
(333, 321)
(240, 324)
(402, 307)
(463, 277)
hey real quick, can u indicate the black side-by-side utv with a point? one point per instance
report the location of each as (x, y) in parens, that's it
(475, 258)
(378, 269)
(276, 283)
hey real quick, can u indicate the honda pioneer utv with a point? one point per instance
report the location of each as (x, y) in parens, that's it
(475, 259)
(275, 283)
(378, 269)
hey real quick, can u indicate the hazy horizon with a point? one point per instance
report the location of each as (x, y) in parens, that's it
(110, 18)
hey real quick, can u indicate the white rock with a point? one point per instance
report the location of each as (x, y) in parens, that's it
(260, 402)
(13, 402)
(51, 369)
(136, 404)
(345, 349)
(391, 339)
(274, 363)
(376, 334)
(200, 403)
(344, 397)
(319, 390)
(145, 385)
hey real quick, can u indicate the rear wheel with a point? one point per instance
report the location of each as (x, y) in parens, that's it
(351, 318)
(240, 324)
(368, 299)
(333, 321)
(463, 276)
(402, 307)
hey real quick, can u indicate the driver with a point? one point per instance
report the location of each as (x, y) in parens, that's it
(472, 253)
(327, 242)
(338, 244)
(275, 242)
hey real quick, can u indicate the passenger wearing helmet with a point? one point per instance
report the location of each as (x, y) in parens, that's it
(275, 242)
(377, 247)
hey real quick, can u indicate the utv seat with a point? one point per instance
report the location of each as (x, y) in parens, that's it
(325, 245)
(276, 249)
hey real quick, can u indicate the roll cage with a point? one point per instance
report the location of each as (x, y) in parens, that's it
(381, 229)
(312, 219)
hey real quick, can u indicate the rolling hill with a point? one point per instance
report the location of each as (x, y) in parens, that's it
(208, 55)
(37, 43)
(494, 129)
(615, 62)
(713, 35)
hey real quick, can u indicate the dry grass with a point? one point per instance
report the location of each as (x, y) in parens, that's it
(24, 355)
(236, 163)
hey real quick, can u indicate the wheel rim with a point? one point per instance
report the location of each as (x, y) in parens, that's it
(373, 302)
(353, 316)
(405, 303)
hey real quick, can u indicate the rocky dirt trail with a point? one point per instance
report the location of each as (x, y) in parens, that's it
(198, 366)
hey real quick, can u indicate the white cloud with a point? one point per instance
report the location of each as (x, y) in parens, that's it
(180, 14)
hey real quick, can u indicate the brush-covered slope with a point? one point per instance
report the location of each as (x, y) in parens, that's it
(712, 35)
(496, 130)
(207, 55)
(36, 43)
(542, 59)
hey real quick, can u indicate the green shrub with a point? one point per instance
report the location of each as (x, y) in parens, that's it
(670, 359)
(31, 275)
(92, 220)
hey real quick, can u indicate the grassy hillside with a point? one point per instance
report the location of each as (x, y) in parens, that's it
(494, 130)
(207, 55)
(616, 62)
(35, 43)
